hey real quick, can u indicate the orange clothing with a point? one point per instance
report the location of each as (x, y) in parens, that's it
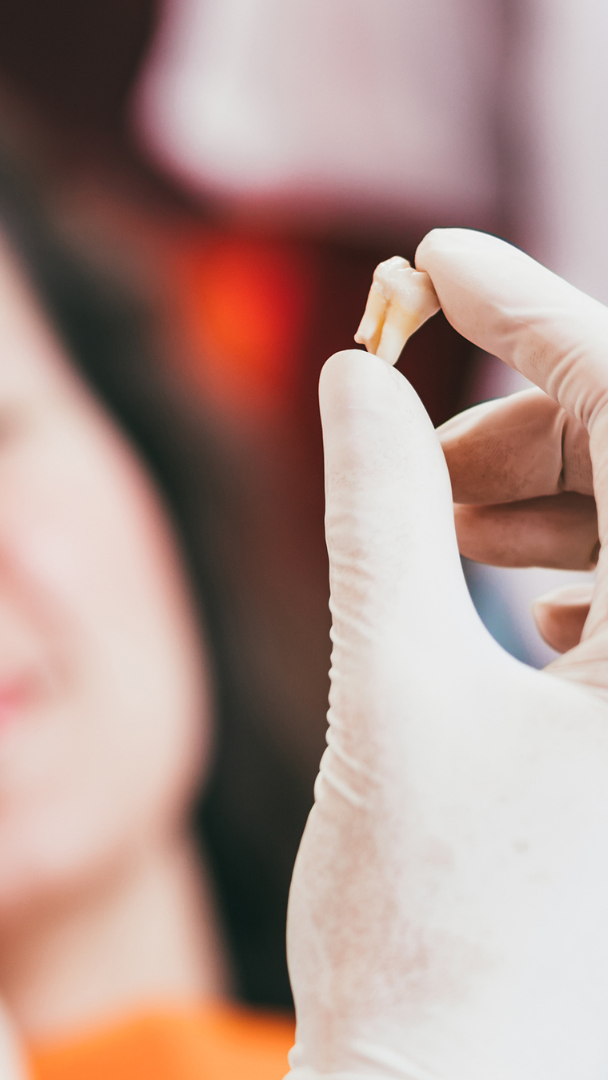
(220, 1042)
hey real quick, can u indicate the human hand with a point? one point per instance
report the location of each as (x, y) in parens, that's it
(449, 908)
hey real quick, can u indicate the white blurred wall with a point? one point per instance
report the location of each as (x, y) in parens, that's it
(372, 106)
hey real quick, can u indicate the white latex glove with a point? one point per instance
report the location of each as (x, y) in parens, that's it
(449, 908)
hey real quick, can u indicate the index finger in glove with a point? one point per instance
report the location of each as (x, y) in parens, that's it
(513, 307)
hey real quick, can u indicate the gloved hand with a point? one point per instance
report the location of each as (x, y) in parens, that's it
(448, 915)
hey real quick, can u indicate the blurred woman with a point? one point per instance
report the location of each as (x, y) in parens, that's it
(113, 959)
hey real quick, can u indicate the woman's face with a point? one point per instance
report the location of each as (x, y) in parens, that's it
(104, 713)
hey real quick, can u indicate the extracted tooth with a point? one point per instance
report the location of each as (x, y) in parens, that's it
(400, 300)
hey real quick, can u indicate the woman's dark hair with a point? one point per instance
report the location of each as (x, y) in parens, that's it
(255, 804)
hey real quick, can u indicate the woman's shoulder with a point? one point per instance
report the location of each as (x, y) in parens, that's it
(207, 1042)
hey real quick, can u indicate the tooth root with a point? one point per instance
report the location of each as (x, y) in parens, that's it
(398, 327)
(370, 327)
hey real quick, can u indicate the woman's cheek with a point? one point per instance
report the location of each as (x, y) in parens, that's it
(120, 734)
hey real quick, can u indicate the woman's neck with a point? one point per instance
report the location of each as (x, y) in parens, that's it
(146, 935)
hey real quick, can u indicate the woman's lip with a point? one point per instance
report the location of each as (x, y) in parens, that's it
(16, 693)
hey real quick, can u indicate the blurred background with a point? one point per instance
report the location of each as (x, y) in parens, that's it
(202, 189)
